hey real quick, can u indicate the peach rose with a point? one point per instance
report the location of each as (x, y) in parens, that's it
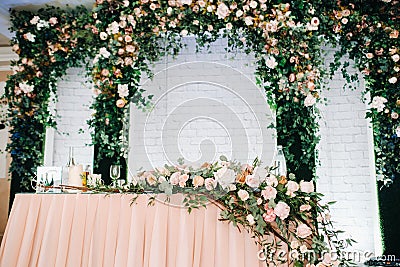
(120, 103)
(269, 193)
(182, 180)
(198, 181)
(151, 179)
(303, 231)
(307, 187)
(282, 210)
(305, 207)
(243, 195)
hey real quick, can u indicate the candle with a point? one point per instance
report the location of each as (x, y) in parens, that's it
(74, 175)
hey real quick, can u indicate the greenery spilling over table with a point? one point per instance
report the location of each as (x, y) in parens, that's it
(280, 213)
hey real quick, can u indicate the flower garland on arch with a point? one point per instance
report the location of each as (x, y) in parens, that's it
(284, 38)
(369, 33)
(47, 45)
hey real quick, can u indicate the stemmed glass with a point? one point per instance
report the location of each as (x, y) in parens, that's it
(115, 172)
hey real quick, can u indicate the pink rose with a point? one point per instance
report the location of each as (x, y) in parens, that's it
(128, 61)
(269, 193)
(303, 231)
(105, 72)
(307, 187)
(282, 210)
(175, 178)
(292, 187)
(271, 180)
(222, 11)
(269, 215)
(53, 21)
(210, 184)
(120, 103)
(198, 181)
(243, 195)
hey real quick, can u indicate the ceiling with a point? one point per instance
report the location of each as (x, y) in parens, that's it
(5, 5)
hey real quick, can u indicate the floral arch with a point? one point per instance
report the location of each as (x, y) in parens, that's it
(124, 37)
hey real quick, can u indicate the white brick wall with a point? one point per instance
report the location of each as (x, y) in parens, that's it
(74, 100)
(213, 107)
(206, 105)
(346, 161)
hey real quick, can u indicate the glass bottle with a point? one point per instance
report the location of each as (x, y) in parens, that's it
(279, 162)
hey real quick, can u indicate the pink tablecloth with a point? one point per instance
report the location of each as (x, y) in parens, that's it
(98, 230)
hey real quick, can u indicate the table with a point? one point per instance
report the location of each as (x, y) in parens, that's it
(105, 230)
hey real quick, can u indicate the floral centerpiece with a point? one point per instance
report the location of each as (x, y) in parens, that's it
(253, 198)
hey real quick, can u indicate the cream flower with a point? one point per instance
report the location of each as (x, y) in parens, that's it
(310, 100)
(378, 102)
(225, 176)
(271, 62)
(250, 219)
(243, 195)
(103, 36)
(104, 53)
(174, 179)
(123, 90)
(30, 37)
(26, 88)
(210, 184)
(248, 21)
(393, 80)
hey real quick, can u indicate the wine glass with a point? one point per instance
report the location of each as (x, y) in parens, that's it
(115, 172)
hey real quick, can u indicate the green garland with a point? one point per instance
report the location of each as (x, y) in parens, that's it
(47, 46)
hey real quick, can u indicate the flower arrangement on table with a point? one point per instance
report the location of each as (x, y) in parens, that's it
(253, 198)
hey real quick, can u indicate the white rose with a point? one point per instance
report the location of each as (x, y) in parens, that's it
(184, 32)
(225, 177)
(243, 195)
(303, 249)
(239, 13)
(253, 4)
(271, 180)
(398, 131)
(26, 88)
(310, 100)
(393, 80)
(125, 3)
(222, 11)
(248, 21)
(378, 102)
(35, 20)
(103, 36)
(250, 219)
(186, 2)
(104, 53)
(271, 62)
(123, 90)
(30, 37)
